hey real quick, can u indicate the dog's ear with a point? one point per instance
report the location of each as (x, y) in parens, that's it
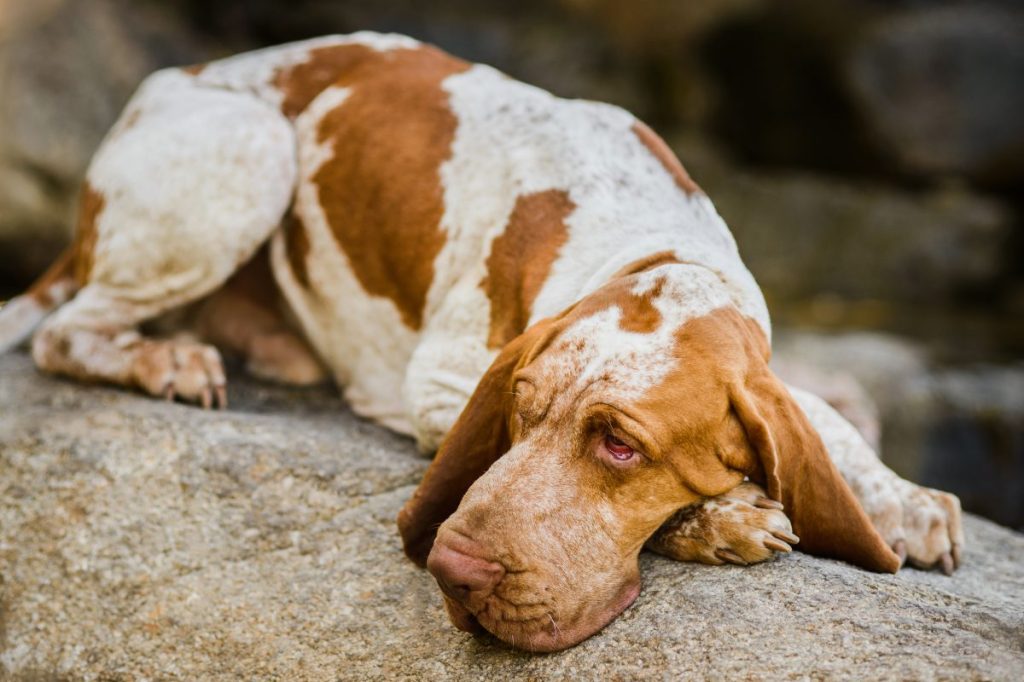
(798, 472)
(479, 437)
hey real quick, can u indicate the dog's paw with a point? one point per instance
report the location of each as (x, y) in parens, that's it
(933, 526)
(922, 525)
(188, 371)
(284, 358)
(743, 526)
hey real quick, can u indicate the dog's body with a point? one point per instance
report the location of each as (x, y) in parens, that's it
(424, 214)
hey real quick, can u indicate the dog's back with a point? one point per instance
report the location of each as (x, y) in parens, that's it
(437, 209)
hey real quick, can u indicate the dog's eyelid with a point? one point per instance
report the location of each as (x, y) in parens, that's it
(630, 430)
(625, 427)
(605, 424)
(606, 456)
(628, 439)
(522, 376)
(529, 406)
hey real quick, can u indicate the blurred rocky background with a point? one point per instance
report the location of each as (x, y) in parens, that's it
(867, 154)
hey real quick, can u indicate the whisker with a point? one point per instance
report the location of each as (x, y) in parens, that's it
(558, 631)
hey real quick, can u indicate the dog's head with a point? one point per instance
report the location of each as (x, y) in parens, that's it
(588, 431)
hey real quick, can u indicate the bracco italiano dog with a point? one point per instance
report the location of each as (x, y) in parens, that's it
(531, 285)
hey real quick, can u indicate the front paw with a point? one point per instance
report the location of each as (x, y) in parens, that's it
(740, 527)
(922, 525)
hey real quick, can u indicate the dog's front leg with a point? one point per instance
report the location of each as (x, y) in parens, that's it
(922, 525)
(743, 526)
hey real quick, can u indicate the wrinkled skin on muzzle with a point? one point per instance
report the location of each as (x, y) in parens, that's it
(567, 562)
(567, 473)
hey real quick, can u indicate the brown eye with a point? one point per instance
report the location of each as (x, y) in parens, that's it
(617, 449)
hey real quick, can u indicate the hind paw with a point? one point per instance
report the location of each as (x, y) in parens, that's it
(183, 370)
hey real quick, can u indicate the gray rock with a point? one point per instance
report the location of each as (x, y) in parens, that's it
(969, 422)
(803, 236)
(145, 540)
(881, 362)
(940, 86)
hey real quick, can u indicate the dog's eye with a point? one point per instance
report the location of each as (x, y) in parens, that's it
(524, 391)
(526, 404)
(619, 451)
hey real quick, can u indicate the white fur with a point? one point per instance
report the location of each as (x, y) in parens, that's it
(632, 363)
(516, 139)
(202, 178)
(193, 180)
(928, 521)
(511, 139)
(18, 318)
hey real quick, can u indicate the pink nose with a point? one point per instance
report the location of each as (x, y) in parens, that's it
(460, 575)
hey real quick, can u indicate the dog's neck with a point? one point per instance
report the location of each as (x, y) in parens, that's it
(728, 275)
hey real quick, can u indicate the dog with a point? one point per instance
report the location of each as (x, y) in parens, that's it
(532, 286)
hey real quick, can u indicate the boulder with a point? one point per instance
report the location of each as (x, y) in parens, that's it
(804, 235)
(940, 88)
(917, 91)
(145, 540)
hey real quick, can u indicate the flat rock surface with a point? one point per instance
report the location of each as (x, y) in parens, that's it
(143, 540)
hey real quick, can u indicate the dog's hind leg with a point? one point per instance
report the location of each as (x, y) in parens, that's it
(247, 317)
(186, 187)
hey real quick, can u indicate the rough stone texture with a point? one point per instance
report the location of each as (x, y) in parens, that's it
(941, 87)
(141, 540)
(803, 235)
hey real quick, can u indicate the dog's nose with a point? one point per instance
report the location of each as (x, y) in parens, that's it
(461, 575)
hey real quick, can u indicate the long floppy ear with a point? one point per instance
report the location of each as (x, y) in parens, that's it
(799, 473)
(479, 437)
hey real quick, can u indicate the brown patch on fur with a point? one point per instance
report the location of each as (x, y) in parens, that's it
(194, 69)
(297, 246)
(638, 312)
(61, 269)
(90, 205)
(381, 191)
(661, 151)
(246, 316)
(655, 260)
(639, 315)
(302, 83)
(521, 259)
(130, 120)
